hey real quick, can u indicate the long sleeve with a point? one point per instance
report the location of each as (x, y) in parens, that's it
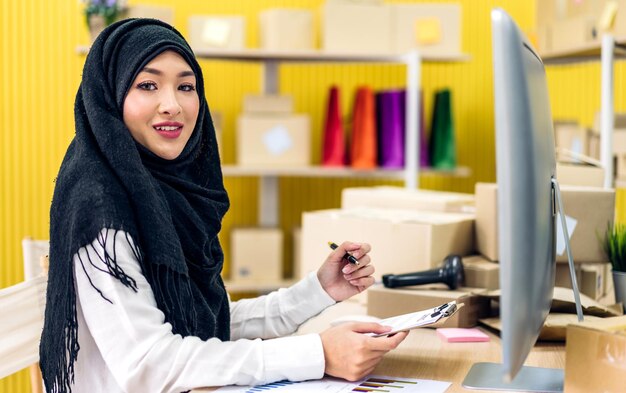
(141, 352)
(279, 313)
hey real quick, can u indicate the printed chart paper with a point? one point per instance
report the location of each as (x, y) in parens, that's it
(373, 383)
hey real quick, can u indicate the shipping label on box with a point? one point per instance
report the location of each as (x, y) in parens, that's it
(434, 29)
(256, 254)
(273, 140)
(481, 272)
(357, 28)
(217, 32)
(595, 356)
(403, 198)
(286, 29)
(402, 241)
(384, 303)
(589, 223)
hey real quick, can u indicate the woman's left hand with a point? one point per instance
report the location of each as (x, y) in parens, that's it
(342, 279)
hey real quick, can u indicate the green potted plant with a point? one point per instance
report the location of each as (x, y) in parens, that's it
(101, 13)
(615, 247)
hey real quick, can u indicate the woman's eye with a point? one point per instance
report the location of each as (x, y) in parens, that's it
(187, 87)
(147, 86)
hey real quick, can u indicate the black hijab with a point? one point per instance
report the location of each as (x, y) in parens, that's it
(171, 209)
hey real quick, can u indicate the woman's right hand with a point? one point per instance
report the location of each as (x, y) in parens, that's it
(350, 354)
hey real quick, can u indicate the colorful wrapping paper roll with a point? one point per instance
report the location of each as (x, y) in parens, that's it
(442, 145)
(334, 149)
(390, 107)
(424, 156)
(363, 146)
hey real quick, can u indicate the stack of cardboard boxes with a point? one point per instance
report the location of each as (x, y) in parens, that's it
(409, 231)
(565, 26)
(589, 209)
(376, 27)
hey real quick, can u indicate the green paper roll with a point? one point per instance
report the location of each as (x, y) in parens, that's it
(442, 145)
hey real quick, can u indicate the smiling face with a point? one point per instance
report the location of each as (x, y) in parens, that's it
(161, 106)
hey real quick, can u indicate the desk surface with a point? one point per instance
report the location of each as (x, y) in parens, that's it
(423, 355)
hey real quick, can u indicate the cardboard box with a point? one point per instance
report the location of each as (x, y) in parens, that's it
(571, 33)
(272, 141)
(402, 241)
(593, 282)
(256, 254)
(218, 125)
(590, 222)
(571, 136)
(296, 235)
(547, 11)
(571, 174)
(481, 272)
(434, 29)
(165, 14)
(595, 356)
(217, 32)
(619, 129)
(267, 104)
(544, 38)
(563, 277)
(487, 220)
(286, 29)
(403, 198)
(384, 303)
(620, 166)
(357, 28)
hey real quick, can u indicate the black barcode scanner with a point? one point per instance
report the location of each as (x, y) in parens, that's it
(450, 273)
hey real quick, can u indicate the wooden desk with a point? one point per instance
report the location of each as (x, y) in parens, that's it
(423, 355)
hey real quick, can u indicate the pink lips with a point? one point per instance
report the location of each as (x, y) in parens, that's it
(170, 133)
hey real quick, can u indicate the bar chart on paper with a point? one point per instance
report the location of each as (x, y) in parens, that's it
(371, 384)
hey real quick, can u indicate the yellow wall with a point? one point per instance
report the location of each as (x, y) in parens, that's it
(40, 72)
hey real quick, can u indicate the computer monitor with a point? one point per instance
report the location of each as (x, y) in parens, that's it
(527, 206)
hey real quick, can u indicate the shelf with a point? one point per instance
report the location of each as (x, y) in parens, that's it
(316, 171)
(308, 56)
(586, 52)
(238, 287)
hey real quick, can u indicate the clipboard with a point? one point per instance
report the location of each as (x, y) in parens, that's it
(431, 317)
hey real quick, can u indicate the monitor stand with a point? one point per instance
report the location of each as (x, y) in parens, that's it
(490, 376)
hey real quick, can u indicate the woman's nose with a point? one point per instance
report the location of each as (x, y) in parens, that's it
(169, 103)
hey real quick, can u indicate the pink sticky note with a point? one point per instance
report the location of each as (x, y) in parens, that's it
(458, 335)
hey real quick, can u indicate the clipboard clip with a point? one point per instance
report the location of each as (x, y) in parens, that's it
(445, 310)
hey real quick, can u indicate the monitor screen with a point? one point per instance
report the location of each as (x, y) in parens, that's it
(525, 161)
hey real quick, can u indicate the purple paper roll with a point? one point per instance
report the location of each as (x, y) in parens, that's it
(390, 108)
(424, 156)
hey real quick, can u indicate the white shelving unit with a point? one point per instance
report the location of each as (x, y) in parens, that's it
(271, 60)
(607, 50)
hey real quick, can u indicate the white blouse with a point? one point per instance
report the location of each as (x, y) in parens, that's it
(128, 347)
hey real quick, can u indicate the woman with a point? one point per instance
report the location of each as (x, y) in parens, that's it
(135, 300)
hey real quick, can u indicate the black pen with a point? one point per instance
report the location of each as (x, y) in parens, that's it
(348, 256)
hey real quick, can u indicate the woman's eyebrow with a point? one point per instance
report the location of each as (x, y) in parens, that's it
(159, 72)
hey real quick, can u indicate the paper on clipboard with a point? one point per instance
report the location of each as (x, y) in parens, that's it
(429, 317)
